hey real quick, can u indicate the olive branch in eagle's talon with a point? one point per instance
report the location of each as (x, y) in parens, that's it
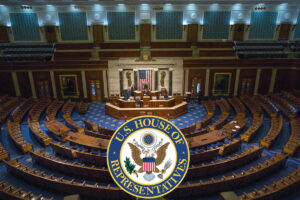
(130, 167)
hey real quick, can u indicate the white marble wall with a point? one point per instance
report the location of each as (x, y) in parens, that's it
(115, 65)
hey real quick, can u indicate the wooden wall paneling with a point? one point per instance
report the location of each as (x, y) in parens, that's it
(216, 53)
(42, 76)
(170, 45)
(79, 82)
(111, 54)
(72, 55)
(50, 32)
(73, 46)
(264, 81)
(238, 32)
(24, 84)
(145, 34)
(4, 34)
(250, 75)
(212, 77)
(187, 53)
(199, 74)
(7, 86)
(192, 33)
(98, 34)
(284, 31)
(94, 75)
(120, 45)
(286, 79)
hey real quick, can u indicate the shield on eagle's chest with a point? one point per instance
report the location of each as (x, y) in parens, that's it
(148, 164)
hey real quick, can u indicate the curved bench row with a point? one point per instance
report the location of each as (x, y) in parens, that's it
(8, 191)
(274, 131)
(62, 185)
(14, 131)
(294, 141)
(276, 189)
(53, 109)
(229, 182)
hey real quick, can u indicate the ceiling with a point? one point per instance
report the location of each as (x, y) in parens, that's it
(137, 2)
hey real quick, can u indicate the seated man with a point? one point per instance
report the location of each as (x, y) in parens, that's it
(146, 92)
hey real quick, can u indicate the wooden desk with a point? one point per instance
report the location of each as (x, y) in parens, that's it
(87, 141)
(150, 103)
(206, 139)
(165, 112)
(57, 128)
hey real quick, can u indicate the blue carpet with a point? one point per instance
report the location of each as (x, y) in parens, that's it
(195, 114)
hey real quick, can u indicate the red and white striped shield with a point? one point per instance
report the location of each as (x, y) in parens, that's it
(149, 164)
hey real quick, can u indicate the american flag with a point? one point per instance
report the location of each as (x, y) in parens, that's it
(145, 76)
(149, 164)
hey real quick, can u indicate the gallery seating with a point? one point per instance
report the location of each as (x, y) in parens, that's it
(294, 141)
(274, 131)
(9, 192)
(15, 134)
(276, 190)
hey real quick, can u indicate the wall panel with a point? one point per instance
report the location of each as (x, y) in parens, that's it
(192, 33)
(212, 77)
(262, 25)
(248, 75)
(50, 33)
(98, 34)
(79, 82)
(95, 75)
(73, 26)
(216, 25)
(7, 86)
(25, 26)
(121, 25)
(145, 34)
(4, 34)
(24, 84)
(197, 75)
(264, 82)
(42, 76)
(169, 25)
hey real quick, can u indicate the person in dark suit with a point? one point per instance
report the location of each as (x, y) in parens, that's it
(132, 89)
(199, 97)
(146, 92)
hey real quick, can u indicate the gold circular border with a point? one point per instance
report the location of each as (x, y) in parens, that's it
(122, 165)
(188, 163)
(144, 139)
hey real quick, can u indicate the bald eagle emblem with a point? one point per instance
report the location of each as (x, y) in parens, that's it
(148, 159)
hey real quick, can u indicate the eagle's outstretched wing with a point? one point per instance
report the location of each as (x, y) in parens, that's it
(136, 154)
(161, 154)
